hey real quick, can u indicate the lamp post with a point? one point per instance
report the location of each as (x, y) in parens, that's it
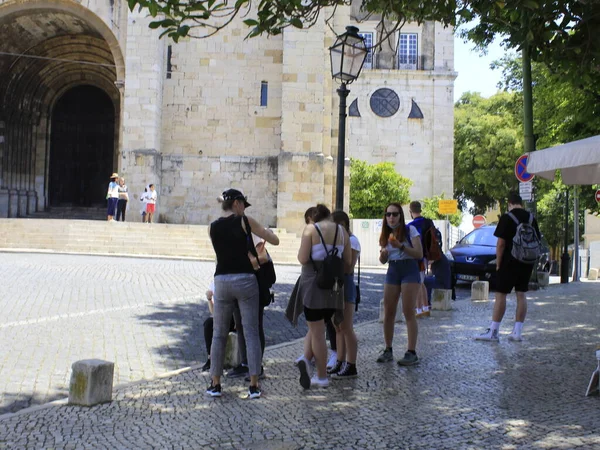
(348, 55)
(564, 259)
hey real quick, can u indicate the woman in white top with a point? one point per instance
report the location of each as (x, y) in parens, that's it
(401, 249)
(112, 196)
(319, 303)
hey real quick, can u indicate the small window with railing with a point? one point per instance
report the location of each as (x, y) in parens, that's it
(407, 51)
(370, 59)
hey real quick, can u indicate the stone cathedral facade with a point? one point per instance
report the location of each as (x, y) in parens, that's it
(86, 89)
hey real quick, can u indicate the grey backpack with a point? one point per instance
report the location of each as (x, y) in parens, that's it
(526, 244)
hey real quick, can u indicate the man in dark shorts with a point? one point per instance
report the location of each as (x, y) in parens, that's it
(510, 273)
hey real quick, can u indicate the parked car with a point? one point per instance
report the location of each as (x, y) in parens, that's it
(474, 256)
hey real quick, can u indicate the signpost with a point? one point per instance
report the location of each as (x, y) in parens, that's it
(479, 221)
(447, 207)
(526, 191)
(521, 170)
(598, 196)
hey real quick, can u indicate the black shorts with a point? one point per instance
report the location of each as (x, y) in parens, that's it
(314, 315)
(513, 274)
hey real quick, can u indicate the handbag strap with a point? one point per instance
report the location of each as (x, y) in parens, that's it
(249, 242)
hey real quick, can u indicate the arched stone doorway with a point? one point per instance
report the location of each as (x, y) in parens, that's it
(52, 49)
(81, 147)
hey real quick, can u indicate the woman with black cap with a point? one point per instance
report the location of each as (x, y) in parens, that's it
(235, 282)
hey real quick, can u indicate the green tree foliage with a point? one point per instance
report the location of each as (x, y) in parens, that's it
(487, 143)
(373, 186)
(429, 210)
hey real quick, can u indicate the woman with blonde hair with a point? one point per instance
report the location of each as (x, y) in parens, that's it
(401, 249)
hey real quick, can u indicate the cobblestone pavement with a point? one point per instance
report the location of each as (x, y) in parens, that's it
(463, 394)
(145, 315)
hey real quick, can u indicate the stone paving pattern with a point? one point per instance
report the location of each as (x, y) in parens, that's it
(464, 394)
(145, 315)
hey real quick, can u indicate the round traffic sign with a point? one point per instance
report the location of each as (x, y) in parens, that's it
(521, 170)
(598, 196)
(478, 221)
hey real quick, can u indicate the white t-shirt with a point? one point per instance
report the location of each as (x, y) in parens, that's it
(151, 197)
(113, 190)
(395, 254)
(354, 243)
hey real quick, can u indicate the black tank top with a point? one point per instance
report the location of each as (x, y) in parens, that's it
(229, 241)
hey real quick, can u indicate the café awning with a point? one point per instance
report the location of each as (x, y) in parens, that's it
(578, 162)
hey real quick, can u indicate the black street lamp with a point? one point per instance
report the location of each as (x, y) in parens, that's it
(565, 259)
(348, 55)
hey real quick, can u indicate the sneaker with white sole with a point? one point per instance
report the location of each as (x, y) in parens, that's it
(335, 369)
(214, 390)
(514, 337)
(348, 372)
(254, 392)
(316, 382)
(489, 335)
(304, 375)
(331, 362)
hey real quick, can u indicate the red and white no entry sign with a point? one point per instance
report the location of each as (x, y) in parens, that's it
(598, 196)
(478, 221)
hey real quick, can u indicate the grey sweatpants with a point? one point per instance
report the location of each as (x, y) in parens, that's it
(242, 288)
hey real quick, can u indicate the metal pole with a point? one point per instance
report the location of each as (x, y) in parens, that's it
(341, 156)
(576, 233)
(564, 260)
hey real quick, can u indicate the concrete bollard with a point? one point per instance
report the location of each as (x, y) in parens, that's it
(91, 382)
(398, 312)
(480, 290)
(232, 351)
(543, 279)
(593, 275)
(441, 299)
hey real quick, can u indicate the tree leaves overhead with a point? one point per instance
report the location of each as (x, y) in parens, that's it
(373, 186)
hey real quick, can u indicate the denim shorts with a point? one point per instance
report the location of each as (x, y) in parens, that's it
(403, 271)
(349, 289)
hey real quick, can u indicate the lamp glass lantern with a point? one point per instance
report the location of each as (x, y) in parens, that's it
(348, 55)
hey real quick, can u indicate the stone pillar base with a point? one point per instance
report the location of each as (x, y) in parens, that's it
(4, 203)
(480, 290)
(22, 199)
(441, 299)
(91, 382)
(32, 202)
(13, 203)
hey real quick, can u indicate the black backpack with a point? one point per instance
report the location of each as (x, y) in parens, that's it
(330, 274)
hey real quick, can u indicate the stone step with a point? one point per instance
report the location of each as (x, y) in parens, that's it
(130, 238)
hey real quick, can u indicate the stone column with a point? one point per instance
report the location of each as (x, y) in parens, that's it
(139, 158)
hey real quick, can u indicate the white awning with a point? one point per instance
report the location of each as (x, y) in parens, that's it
(578, 161)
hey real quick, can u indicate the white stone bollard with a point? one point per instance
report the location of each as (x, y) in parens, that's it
(480, 290)
(441, 299)
(398, 312)
(91, 382)
(593, 275)
(543, 279)
(232, 351)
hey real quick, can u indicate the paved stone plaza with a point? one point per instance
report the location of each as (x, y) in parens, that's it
(146, 315)
(464, 394)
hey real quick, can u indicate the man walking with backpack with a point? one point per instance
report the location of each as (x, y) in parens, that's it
(426, 229)
(517, 250)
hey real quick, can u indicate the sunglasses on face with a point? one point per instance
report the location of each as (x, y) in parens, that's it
(390, 214)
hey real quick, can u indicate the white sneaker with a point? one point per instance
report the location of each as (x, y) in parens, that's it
(332, 361)
(514, 337)
(316, 382)
(489, 335)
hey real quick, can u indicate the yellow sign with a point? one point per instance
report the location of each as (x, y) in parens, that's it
(447, 206)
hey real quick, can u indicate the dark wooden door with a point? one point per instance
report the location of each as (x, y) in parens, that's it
(81, 147)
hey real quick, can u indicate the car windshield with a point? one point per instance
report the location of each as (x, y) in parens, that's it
(481, 236)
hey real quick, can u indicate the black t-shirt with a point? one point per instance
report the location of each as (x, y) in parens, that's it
(230, 243)
(507, 228)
